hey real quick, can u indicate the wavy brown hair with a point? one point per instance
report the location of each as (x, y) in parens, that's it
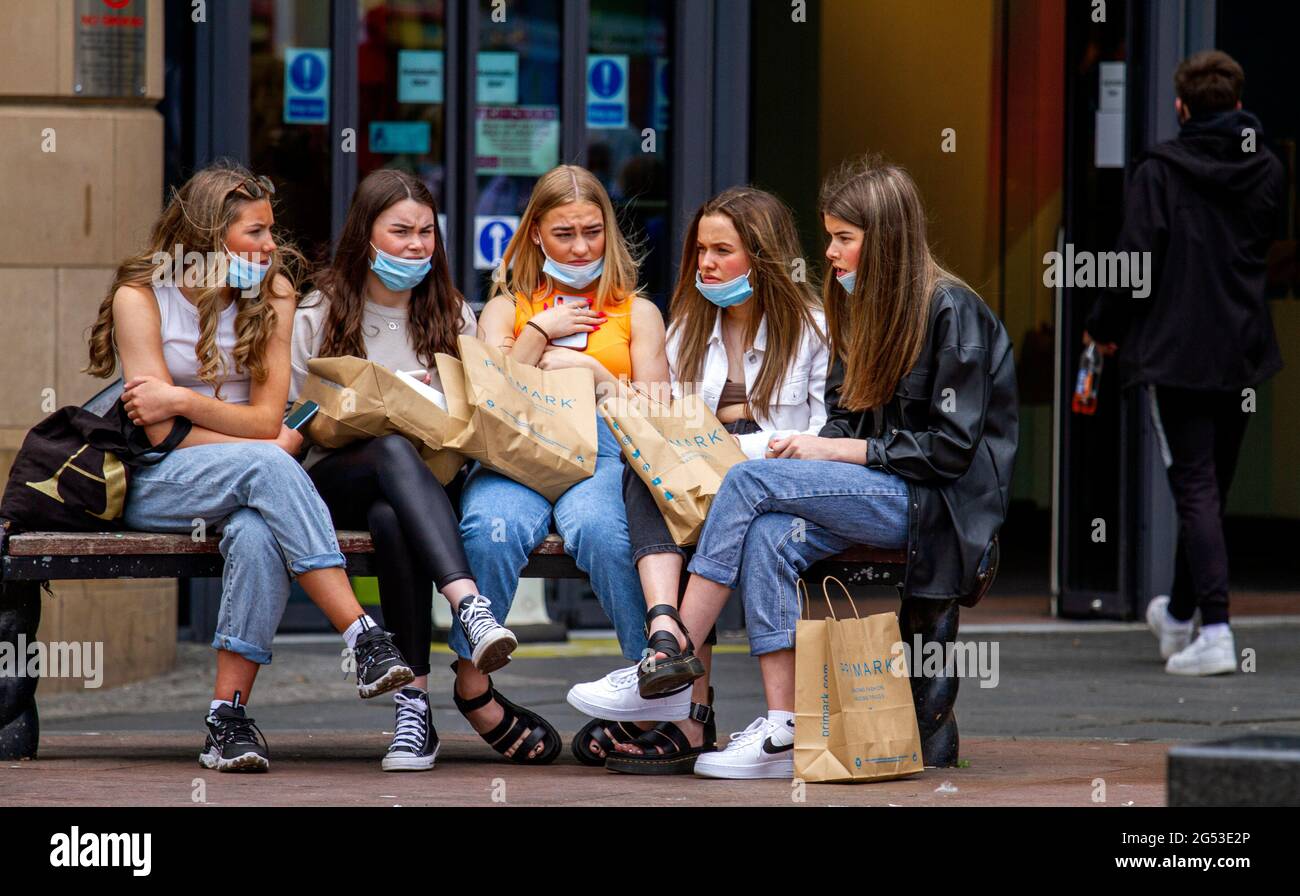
(767, 233)
(523, 259)
(434, 314)
(879, 330)
(194, 225)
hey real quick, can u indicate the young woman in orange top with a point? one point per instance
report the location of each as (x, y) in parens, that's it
(567, 271)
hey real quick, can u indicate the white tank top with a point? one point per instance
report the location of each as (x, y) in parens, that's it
(180, 333)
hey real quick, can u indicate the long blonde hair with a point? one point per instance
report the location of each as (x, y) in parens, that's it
(766, 230)
(520, 272)
(195, 220)
(878, 331)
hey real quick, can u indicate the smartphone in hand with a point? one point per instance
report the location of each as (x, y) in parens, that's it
(297, 417)
(575, 341)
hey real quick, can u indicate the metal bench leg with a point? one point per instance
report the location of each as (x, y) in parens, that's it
(20, 614)
(934, 696)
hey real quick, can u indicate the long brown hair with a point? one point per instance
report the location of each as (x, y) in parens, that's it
(434, 314)
(879, 330)
(766, 230)
(520, 271)
(195, 221)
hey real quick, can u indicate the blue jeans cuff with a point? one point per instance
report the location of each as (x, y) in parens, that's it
(771, 642)
(713, 570)
(317, 561)
(250, 652)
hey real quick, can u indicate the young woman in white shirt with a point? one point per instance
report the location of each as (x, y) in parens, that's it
(387, 295)
(748, 336)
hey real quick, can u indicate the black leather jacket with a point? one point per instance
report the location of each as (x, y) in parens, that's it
(950, 432)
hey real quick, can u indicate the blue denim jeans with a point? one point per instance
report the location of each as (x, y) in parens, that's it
(272, 522)
(772, 519)
(502, 521)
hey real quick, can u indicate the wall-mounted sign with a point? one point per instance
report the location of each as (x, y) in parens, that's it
(400, 137)
(1108, 151)
(419, 76)
(492, 234)
(516, 139)
(306, 85)
(109, 50)
(606, 91)
(498, 78)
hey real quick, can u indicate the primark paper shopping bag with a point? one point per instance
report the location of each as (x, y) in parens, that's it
(536, 426)
(854, 715)
(679, 450)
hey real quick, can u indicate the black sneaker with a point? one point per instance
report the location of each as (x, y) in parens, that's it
(380, 667)
(415, 743)
(491, 642)
(234, 743)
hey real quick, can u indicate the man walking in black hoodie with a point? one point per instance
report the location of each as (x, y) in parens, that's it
(1206, 205)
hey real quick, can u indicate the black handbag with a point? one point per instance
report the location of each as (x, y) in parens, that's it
(73, 469)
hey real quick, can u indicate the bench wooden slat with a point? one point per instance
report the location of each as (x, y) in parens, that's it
(80, 544)
(95, 555)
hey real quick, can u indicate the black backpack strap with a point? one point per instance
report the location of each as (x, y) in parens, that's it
(141, 453)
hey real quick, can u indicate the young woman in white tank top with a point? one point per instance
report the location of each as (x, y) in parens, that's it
(215, 349)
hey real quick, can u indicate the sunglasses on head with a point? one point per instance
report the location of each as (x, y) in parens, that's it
(259, 187)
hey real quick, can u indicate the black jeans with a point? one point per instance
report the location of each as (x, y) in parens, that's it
(646, 528)
(382, 485)
(1204, 432)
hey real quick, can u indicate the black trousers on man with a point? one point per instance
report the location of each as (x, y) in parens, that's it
(1204, 432)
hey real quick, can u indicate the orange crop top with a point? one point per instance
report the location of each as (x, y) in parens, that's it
(611, 345)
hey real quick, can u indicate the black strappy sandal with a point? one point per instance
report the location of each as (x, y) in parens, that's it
(515, 721)
(674, 673)
(599, 731)
(677, 756)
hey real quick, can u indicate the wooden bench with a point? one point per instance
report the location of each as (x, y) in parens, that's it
(37, 557)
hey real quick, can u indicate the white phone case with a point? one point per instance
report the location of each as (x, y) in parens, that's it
(576, 341)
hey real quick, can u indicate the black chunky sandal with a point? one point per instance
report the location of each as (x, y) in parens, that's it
(665, 748)
(515, 721)
(600, 730)
(674, 673)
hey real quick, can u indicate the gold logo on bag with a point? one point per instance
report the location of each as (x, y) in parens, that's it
(114, 480)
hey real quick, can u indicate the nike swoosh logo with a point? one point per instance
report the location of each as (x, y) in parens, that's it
(772, 749)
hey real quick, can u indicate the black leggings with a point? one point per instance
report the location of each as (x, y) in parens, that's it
(383, 486)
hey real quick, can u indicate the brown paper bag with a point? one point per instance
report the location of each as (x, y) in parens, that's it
(536, 426)
(854, 715)
(680, 451)
(360, 399)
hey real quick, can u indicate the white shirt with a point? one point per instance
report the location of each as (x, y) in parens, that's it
(800, 405)
(180, 336)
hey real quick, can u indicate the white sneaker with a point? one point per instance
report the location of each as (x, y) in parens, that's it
(615, 698)
(491, 642)
(1212, 653)
(763, 750)
(1172, 634)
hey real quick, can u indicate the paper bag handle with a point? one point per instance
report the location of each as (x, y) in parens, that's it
(843, 588)
(805, 599)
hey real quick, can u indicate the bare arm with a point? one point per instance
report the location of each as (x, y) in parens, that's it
(138, 334)
(649, 358)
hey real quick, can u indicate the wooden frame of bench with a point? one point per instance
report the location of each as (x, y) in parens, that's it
(37, 557)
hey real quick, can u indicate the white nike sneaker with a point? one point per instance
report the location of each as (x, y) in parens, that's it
(615, 698)
(1172, 634)
(1209, 654)
(763, 750)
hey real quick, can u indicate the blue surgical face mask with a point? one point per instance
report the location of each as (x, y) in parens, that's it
(399, 274)
(242, 273)
(724, 295)
(848, 281)
(579, 276)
